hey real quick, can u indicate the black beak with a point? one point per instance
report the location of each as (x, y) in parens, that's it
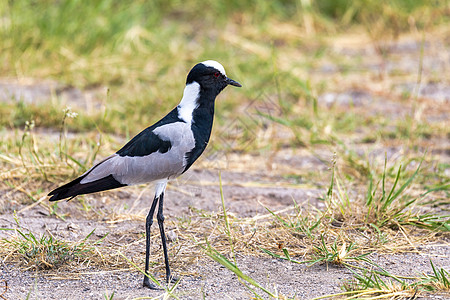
(232, 82)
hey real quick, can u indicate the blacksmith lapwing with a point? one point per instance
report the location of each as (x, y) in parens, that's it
(160, 152)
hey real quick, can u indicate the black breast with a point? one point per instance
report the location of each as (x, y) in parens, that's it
(202, 121)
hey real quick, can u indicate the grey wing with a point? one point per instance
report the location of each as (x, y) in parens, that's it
(132, 170)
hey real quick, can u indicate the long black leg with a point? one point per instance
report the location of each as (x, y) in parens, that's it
(160, 218)
(148, 224)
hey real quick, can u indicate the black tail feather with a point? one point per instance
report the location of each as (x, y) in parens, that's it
(75, 188)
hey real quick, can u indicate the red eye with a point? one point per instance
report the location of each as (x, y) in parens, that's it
(217, 74)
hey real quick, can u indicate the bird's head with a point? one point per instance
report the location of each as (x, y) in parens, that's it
(211, 77)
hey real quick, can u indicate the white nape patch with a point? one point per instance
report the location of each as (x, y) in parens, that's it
(160, 187)
(216, 65)
(189, 102)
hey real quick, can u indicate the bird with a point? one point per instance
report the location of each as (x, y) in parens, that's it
(159, 153)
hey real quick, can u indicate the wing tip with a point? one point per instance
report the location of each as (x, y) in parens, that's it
(59, 195)
(75, 188)
(54, 197)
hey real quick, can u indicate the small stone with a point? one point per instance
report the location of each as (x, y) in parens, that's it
(171, 236)
(72, 227)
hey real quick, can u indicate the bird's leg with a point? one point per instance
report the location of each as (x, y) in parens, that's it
(160, 218)
(148, 224)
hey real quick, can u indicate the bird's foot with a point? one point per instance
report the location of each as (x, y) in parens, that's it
(172, 279)
(149, 284)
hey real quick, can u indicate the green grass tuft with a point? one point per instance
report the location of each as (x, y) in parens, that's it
(46, 251)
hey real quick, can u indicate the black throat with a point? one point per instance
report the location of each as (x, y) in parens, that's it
(202, 122)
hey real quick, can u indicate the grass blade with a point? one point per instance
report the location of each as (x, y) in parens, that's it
(221, 259)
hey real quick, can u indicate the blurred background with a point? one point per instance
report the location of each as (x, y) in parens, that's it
(71, 51)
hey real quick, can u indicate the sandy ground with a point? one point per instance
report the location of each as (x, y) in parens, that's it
(215, 282)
